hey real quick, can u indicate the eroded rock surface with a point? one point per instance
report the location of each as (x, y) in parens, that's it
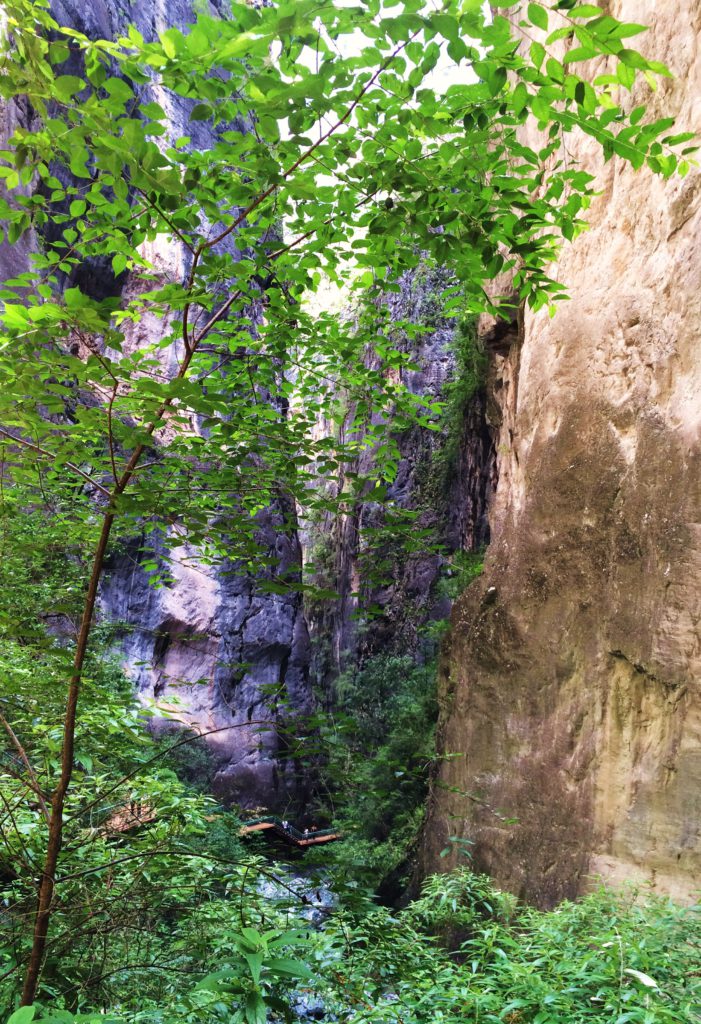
(571, 689)
(209, 648)
(446, 477)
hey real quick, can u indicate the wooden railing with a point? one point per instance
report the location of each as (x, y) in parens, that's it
(288, 832)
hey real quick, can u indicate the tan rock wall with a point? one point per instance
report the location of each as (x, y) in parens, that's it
(571, 691)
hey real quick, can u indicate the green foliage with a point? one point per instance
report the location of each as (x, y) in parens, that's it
(368, 164)
(191, 761)
(606, 960)
(396, 168)
(454, 906)
(260, 974)
(626, 959)
(599, 960)
(469, 377)
(380, 748)
(463, 568)
(119, 896)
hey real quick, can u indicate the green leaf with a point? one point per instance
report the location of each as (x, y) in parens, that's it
(519, 99)
(676, 140)
(154, 111)
(537, 52)
(538, 16)
(252, 936)
(292, 968)
(255, 1009)
(197, 42)
(200, 112)
(578, 53)
(627, 29)
(255, 963)
(585, 11)
(66, 86)
(58, 53)
(541, 108)
(555, 69)
(625, 75)
(173, 43)
(24, 1015)
(118, 90)
(632, 59)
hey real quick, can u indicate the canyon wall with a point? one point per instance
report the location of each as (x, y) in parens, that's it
(571, 689)
(210, 648)
(388, 588)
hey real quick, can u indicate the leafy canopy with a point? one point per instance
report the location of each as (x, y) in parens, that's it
(321, 143)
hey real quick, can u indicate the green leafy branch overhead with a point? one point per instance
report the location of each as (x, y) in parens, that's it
(358, 152)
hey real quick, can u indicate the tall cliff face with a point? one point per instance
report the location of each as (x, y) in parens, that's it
(445, 478)
(571, 687)
(210, 647)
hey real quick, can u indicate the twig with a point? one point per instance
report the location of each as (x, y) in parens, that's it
(34, 784)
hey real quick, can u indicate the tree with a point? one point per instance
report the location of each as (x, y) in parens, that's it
(370, 166)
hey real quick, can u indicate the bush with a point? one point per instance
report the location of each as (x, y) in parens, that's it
(380, 748)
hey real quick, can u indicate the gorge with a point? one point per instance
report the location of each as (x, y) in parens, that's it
(302, 515)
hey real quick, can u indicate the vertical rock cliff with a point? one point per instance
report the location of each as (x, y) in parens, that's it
(210, 647)
(386, 573)
(570, 689)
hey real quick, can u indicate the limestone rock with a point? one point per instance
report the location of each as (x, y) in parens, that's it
(572, 685)
(210, 648)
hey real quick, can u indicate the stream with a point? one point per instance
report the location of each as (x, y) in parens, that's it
(319, 903)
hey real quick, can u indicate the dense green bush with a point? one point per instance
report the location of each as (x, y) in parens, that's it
(630, 959)
(380, 748)
(626, 959)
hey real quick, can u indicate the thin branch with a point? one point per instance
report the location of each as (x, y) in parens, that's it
(34, 784)
(49, 455)
(25, 860)
(110, 433)
(168, 221)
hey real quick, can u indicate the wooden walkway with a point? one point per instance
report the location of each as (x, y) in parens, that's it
(125, 817)
(289, 833)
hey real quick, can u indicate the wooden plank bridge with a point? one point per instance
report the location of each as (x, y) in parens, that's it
(282, 829)
(127, 816)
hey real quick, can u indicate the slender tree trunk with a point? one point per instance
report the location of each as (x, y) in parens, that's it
(58, 799)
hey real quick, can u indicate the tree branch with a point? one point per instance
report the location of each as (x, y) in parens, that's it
(34, 784)
(49, 455)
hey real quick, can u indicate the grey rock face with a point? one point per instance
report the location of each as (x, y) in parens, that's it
(447, 477)
(215, 653)
(107, 19)
(209, 648)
